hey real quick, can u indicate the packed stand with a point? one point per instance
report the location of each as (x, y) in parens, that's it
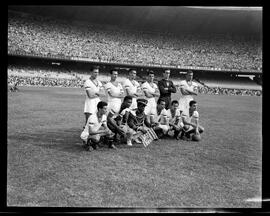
(228, 91)
(35, 35)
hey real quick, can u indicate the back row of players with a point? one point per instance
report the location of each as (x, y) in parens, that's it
(131, 108)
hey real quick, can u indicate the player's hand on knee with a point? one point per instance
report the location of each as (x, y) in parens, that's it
(107, 131)
(142, 129)
(186, 127)
(176, 127)
(121, 131)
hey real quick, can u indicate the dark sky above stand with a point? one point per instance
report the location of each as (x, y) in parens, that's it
(175, 19)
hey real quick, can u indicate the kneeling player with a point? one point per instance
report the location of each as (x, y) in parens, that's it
(96, 128)
(191, 122)
(174, 117)
(139, 125)
(116, 121)
(159, 120)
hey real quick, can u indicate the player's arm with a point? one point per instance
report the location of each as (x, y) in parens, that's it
(106, 130)
(156, 93)
(127, 89)
(101, 92)
(196, 120)
(93, 132)
(162, 89)
(185, 122)
(186, 91)
(172, 87)
(90, 94)
(124, 114)
(113, 122)
(146, 92)
(165, 117)
(175, 124)
(129, 93)
(132, 125)
(131, 122)
(192, 92)
(114, 96)
(139, 91)
(147, 122)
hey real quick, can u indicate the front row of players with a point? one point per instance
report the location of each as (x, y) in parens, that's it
(129, 125)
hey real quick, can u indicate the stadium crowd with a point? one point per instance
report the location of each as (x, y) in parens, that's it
(228, 91)
(35, 35)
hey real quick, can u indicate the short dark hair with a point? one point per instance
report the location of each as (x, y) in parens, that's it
(112, 70)
(94, 68)
(160, 100)
(192, 102)
(151, 72)
(128, 97)
(189, 72)
(101, 104)
(174, 102)
(132, 69)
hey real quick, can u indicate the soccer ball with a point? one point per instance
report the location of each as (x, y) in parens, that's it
(196, 137)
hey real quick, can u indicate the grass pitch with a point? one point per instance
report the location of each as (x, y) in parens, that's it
(48, 167)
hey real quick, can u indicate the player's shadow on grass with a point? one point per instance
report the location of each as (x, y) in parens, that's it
(60, 140)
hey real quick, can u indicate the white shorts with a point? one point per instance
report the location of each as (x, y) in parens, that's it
(165, 128)
(85, 136)
(151, 107)
(90, 105)
(184, 103)
(114, 105)
(134, 104)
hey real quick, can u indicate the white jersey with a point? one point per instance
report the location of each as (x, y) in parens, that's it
(114, 102)
(93, 124)
(192, 118)
(185, 99)
(151, 105)
(90, 104)
(172, 119)
(123, 112)
(133, 87)
(160, 118)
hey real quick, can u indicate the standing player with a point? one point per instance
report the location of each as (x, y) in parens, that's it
(96, 127)
(151, 91)
(191, 121)
(174, 118)
(132, 88)
(188, 88)
(166, 87)
(115, 92)
(92, 87)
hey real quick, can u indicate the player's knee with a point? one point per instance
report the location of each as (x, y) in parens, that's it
(201, 129)
(186, 127)
(110, 135)
(95, 139)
